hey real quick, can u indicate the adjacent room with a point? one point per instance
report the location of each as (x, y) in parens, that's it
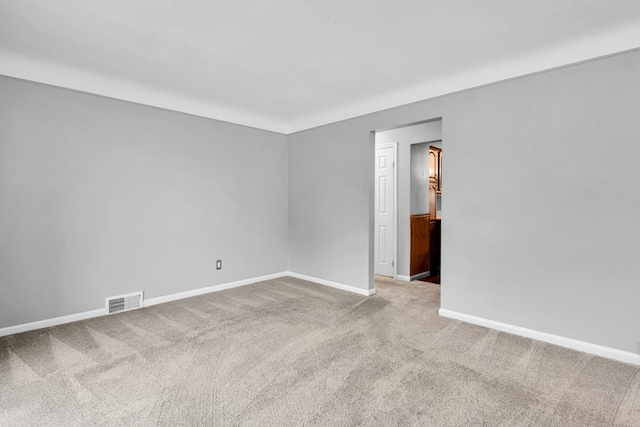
(319, 213)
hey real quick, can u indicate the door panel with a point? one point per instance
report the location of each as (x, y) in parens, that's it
(385, 239)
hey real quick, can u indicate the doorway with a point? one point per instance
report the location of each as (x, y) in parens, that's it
(426, 208)
(403, 138)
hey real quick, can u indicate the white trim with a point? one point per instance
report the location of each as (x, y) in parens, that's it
(414, 277)
(420, 275)
(365, 292)
(589, 47)
(39, 70)
(46, 323)
(598, 350)
(11, 330)
(209, 289)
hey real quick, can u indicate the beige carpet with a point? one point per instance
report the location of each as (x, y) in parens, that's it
(289, 352)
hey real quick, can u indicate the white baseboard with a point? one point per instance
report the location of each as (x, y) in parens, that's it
(365, 292)
(46, 323)
(414, 277)
(420, 275)
(10, 330)
(208, 289)
(595, 349)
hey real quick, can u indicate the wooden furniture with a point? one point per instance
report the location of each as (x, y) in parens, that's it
(435, 178)
(435, 190)
(419, 262)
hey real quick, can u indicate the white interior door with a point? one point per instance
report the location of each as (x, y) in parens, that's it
(385, 215)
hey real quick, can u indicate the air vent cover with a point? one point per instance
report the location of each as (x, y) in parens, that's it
(124, 302)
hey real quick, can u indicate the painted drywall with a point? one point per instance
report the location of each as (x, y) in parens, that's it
(330, 206)
(100, 197)
(406, 137)
(419, 179)
(540, 224)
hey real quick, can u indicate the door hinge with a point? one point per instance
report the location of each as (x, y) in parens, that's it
(393, 263)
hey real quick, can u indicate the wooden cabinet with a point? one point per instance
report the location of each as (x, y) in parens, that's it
(425, 245)
(435, 167)
(435, 191)
(439, 172)
(435, 179)
(433, 195)
(419, 262)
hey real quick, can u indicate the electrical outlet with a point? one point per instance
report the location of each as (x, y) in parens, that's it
(219, 264)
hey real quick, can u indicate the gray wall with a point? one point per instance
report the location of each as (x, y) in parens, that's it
(539, 228)
(329, 205)
(406, 137)
(419, 181)
(100, 197)
(540, 222)
(541, 188)
(419, 199)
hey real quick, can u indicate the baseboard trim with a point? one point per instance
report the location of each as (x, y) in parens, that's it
(420, 275)
(414, 277)
(595, 349)
(46, 323)
(215, 288)
(365, 292)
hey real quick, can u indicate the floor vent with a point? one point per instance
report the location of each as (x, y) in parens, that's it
(124, 302)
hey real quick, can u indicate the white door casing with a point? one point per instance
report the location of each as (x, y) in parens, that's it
(385, 211)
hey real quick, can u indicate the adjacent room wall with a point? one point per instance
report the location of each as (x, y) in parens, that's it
(406, 137)
(100, 197)
(540, 223)
(419, 188)
(419, 185)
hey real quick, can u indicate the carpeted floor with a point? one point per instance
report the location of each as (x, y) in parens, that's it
(289, 352)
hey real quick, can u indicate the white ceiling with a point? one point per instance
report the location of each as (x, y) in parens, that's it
(287, 65)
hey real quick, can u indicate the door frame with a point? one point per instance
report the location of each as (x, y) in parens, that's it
(393, 145)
